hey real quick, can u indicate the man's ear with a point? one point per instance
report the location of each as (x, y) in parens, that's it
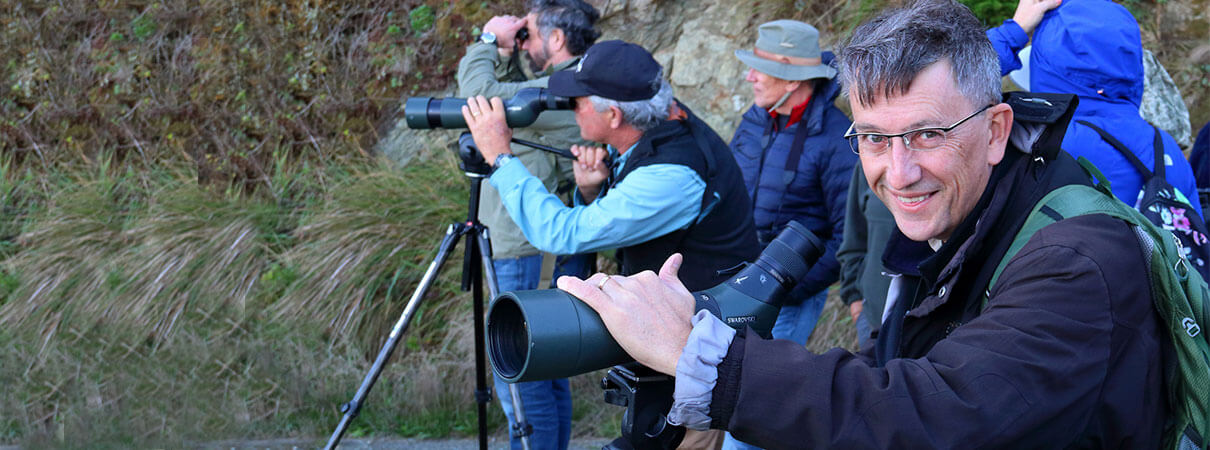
(557, 40)
(615, 117)
(1000, 125)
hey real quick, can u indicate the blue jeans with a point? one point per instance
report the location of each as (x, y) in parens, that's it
(547, 404)
(796, 324)
(863, 332)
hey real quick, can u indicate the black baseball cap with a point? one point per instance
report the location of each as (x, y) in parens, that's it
(615, 70)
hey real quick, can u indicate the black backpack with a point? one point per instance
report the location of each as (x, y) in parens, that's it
(1165, 206)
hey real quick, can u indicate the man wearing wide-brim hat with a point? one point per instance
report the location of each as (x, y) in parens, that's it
(796, 163)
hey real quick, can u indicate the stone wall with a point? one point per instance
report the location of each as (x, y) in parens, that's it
(695, 41)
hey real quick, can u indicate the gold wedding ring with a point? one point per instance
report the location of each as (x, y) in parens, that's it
(601, 284)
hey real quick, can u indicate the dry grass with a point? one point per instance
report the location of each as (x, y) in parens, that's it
(197, 243)
(149, 310)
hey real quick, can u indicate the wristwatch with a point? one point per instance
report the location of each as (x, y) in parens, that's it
(501, 159)
(488, 38)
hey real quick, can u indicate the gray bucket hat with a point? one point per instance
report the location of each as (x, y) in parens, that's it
(787, 38)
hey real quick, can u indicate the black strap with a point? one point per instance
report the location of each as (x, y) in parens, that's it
(1159, 154)
(1134, 160)
(791, 167)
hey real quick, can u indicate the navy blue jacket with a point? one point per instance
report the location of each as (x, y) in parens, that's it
(811, 190)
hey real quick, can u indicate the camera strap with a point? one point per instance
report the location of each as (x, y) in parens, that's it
(547, 274)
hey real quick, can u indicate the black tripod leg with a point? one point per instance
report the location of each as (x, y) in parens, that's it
(522, 427)
(472, 278)
(353, 407)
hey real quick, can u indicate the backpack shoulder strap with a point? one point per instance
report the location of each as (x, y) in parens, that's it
(1180, 296)
(1121, 148)
(1159, 153)
(1062, 203)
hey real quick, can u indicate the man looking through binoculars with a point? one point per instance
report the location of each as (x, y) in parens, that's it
(552, 35)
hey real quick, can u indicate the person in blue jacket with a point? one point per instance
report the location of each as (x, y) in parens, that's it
(1092, 48)
(796, 163)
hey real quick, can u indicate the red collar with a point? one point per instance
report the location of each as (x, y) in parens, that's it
(795, 114)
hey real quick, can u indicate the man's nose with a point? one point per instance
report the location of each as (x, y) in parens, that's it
(903, 170)
(751, 76)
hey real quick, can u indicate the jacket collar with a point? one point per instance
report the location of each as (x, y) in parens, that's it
(936, 268)
(561, 66)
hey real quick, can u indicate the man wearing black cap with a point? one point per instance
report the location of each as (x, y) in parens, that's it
(672, 185)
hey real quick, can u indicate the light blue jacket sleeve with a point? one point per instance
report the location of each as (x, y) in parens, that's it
(650, 202)
(1008, 39)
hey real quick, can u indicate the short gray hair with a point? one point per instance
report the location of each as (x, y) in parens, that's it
(886, 54)
(642, 114)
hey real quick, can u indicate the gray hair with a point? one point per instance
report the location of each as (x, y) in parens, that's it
(641, 114)
(886, 54)
(575, 17)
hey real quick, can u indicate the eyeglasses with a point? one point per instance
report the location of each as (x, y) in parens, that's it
(920, 139)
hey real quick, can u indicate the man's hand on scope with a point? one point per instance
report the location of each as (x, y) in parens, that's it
(505, 28)
(590, 170)
(648, 315)
(486, 121)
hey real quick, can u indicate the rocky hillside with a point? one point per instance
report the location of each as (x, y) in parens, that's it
(695, 41)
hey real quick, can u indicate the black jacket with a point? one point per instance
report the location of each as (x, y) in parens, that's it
(721, 237)
(1066, 353)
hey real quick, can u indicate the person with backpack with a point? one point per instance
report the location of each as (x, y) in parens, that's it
(1093, 48)
(1044, 313)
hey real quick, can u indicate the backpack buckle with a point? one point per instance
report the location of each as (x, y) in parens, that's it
(1181, 266)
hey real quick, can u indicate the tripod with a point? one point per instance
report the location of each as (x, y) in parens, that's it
(476, 263)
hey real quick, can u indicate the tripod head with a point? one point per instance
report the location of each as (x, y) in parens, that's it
(469, 159)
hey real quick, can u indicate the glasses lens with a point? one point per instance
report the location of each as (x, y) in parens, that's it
(924, 140)
(872, 144)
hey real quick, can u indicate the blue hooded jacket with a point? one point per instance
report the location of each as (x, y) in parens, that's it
(1092, 48)
(814, 190)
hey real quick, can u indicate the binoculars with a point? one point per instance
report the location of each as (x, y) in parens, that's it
(521, 110)
(546, 334)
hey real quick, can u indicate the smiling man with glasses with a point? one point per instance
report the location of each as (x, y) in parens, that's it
(1062, 351)
(920, 139)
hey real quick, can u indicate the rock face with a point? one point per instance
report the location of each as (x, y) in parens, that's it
(695, 41)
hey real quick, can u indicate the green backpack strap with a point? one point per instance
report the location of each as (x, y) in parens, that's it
(1067, 201)
(1181, 300)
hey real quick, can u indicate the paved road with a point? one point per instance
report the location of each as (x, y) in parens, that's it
(388, 444)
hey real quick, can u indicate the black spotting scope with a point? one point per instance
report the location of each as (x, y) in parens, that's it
(547, 334)
(520, 111)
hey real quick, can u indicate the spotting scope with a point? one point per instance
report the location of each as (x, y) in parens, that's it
(521, 110)
(546, 334)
